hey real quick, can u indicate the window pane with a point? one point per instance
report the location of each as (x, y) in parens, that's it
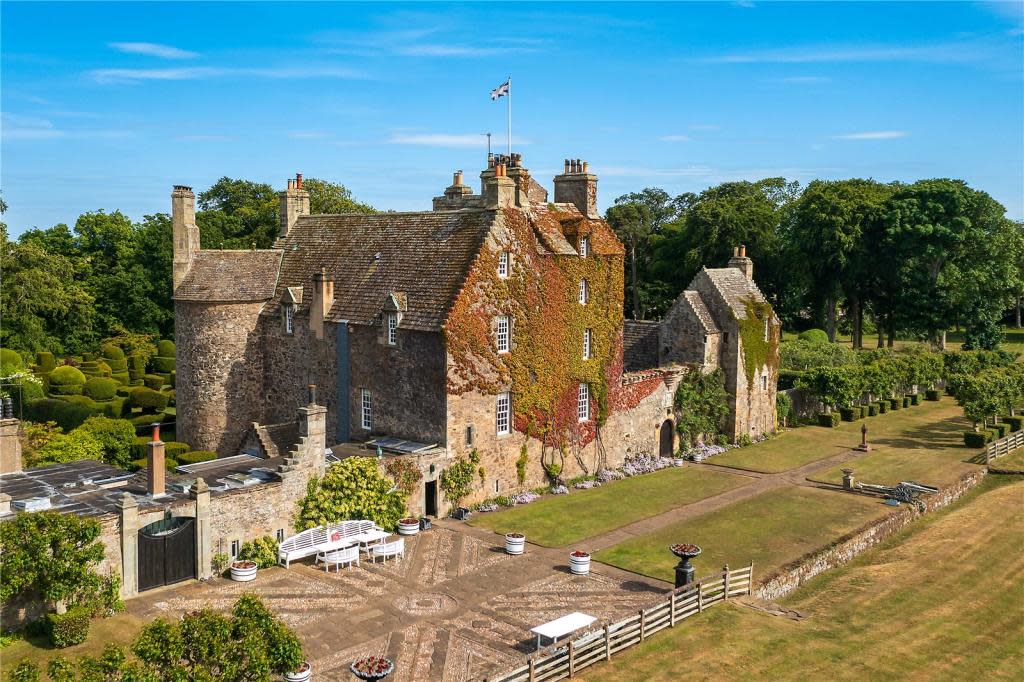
(583, 407)
(502, 333)
(504, 413)
(367, 409)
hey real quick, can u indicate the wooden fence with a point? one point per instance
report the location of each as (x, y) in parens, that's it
(1004, 446)
(564, 659)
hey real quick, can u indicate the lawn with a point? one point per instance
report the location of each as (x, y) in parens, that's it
(770, 529)
(1011, 462)
(928, 425)
(908, 609)
(929, 451)
(559, 520)
(119, 629)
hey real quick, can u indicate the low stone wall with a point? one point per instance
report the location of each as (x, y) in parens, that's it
(780, 583)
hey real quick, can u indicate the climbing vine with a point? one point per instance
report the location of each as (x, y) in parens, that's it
(457, 479)
(758, 352)
(702, 404)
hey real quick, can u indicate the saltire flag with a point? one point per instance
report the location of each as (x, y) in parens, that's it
(501, 90)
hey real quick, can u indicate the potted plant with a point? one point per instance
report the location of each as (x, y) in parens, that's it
(372, 668)
(409, 526)
(515, 543)
(579, 562)
(243, 571)
(301, 674)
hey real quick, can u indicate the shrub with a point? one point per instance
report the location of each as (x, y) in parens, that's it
(783, 408)
(895, 403)
(804, 355)
(100, 388)
(1001, 429)
(457, 479)
(25, 671)
(872, 409)
(173, 449)
(11, 359)
(149, 400)
(21, 387)
(68, 629)
(1016, 423)
(850, 414)
(113, 408)
(136, 464)
(153, 381)
(788, 377)
(137, 363)
(45, 361)
(81, 400)
(62, 448)
(915, 398)
(831, 419)
(174, 379)
(975, 439)
(66, 380)
(814, 336)
(931, 394)
(351, 489)
(117, 436)
(883, 406)
(67, 415)
(165, 349)
(163, 365)
(111, 352)
(261, 550)
(907, 402)
(196, 456)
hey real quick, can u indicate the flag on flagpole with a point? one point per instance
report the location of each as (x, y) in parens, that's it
(501, 90)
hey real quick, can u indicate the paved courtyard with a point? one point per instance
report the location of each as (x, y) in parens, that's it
(456, 608)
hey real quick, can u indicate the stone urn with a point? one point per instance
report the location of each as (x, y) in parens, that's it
(408, 526)
(579, 562)
(243, 571)
(515, 543)
(372, 668)
(684, 569)
(302, 674)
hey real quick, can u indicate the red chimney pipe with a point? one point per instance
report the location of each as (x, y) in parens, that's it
(298, 181)
(156, 431)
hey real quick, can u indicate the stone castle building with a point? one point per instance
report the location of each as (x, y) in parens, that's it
(490, 328)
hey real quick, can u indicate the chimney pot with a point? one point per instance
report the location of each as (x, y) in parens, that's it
(156, 431)
(743, 250)
(586, 167)
(458, 178)
(312, 394)
(566, 171)
(298, 181)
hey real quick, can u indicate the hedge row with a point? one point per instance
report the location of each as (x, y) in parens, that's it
(70, 628)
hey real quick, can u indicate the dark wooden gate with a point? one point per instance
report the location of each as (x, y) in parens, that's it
(167, 552)
(665, 448)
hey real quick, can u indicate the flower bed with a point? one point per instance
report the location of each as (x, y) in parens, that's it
(559, 490)
(587, 484)
(525, 498)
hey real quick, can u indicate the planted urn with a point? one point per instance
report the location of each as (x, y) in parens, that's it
(372, 668)
(579, 562)
(243, 571)
(515, 543)
(301, 674)
(410, 526)
(684, 569)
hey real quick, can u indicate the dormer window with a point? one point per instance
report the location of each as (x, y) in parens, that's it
(392, 327)
(503, 261)
(584, 247)
(289, 318)
(584, 292)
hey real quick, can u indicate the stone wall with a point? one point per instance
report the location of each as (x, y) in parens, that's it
(683, 340)
(844, 549)
(219, 373)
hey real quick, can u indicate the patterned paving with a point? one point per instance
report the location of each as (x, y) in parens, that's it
(454, 609)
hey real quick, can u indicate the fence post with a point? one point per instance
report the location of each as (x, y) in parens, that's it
(607, 643)
(642, 619)
(672, 609)
(532, 664)
(700, 597)
(572, 658)
(725, 574)
(750, 578)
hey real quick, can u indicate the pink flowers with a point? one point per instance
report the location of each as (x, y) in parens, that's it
(372, 667)
(579, 555)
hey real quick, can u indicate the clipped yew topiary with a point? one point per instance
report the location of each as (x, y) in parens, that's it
(100, 388)
(197, 456)
(975, 439)
(163, 365)
(66, 380)
(165, 349)
(68, 629)
(148, 399)
(45, 361)
(831, 419)
(67, 415)
(153, 381)
(814, 336)
(9, 359)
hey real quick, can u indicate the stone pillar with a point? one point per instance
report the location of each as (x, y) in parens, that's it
(156, 470)
(848, 479)
(10, 446)
(5, 504)
(128, 509)
(185, 231)
(204, 535)
(293, 202)
(313, 427)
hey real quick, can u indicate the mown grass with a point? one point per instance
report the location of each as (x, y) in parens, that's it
(901, 434)
(1011, 462)
(559, 520)
(119, 629)
(939, 600)
(770, 530)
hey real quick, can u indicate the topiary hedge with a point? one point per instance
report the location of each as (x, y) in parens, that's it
(915, 398)
(931, 394)
(165, 349)
(883, 406)
(67, 415)
(196, 456)
(1016, 423)
(814, 336)
(66, 380)
(907, 401)
(975, 439)
(148, 399)
(163, 365)
(136, 464)
(895, 403)
(831, 419)
(68, 629)
(174, 449)
(11, 359)
(153, 381)
(45, 361)
(872, 409)
(100, 388)
(1001, 429)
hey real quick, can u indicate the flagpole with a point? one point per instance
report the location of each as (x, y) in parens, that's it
(510, 118)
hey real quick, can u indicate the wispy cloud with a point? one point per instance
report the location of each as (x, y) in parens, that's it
(205, 72)
(154, 50)
(947, 52)
(675, 138)
(19, 127)
(873, 135)
(450, 140)
(420, 42)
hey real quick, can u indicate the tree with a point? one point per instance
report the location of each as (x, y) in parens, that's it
(833, 386)
(702, 405)
(632, 224)
(332, 197)
(52, 556)
(354, 488)
(116, 438)
(253, 204)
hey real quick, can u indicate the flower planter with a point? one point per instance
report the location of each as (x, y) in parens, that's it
(515, 543)
(243, 571)
(372, 668)
(408, 526)
(304, 673)
(579, 563)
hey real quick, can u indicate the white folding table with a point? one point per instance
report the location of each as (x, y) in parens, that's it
(562, 626)
(370, 538)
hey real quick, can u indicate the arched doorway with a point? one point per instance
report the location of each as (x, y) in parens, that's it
(167, 552)
(665, 448)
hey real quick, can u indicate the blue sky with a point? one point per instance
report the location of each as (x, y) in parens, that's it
(108, 105)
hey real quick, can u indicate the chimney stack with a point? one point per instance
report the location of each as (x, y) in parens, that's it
(499, 189)
(740, 261)
(10, 446)
(320, 305)
(294, 201)
(155, 471)
(577, 186)
(185, 232)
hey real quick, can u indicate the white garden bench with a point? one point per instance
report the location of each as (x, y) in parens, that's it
(388, 549)
(321, 539)
(339, 557)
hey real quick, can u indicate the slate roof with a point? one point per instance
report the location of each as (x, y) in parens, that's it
(424, 255)
(735, 288)
(701, 311)
(243, 275)
(639, 345)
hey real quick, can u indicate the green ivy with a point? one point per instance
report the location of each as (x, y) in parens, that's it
(261, 550)
(701, 404)
(457, 479)
(756, 351)
(524, 458)
(353, 488)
